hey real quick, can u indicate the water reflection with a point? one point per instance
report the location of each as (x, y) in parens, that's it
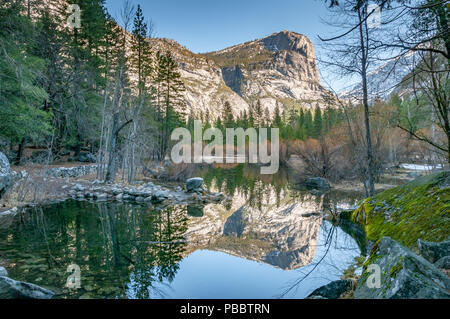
(108, 241)
(267, 227)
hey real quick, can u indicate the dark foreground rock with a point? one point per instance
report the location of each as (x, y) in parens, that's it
(3, 272)
(7, 218)
(403, 275)
(333, 290)
(13, 289)
(443, 263)
(5, 174)
(317, 183)
(433, 251)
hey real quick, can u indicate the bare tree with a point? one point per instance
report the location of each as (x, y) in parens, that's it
(354, 52)
(120, 82)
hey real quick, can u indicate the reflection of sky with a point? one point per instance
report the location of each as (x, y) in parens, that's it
(209, 274)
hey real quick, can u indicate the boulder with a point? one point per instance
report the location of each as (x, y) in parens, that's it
(317, 183)
(159, 196)
(403, 275)
(194, 184)
(7, 218)
(3, 272)
(443, 263)
(333, 290)
(86, 158)
(433, 251)
(5, 174)
(13, 289)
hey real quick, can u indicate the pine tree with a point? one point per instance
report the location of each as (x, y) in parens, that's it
(21, 99)
(170, 97)
(228, 117)
(308, 124)
(277, 118)
(85, 64)
(317, 124)
(258, 114)
(141, 58)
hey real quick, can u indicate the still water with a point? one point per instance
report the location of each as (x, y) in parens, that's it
(268, 241)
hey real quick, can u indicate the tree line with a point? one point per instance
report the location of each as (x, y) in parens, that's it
(100, 88)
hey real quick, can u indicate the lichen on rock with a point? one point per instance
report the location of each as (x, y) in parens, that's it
(419, 209)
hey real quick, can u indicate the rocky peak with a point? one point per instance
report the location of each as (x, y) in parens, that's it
(289, 41)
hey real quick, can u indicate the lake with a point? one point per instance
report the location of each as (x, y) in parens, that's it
(269, 240)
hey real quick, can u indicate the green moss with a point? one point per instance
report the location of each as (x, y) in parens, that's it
(396, 268)
(419, 209)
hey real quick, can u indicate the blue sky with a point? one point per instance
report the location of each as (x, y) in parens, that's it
(210, 25)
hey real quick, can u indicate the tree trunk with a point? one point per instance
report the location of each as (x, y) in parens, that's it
(370, 170)
(20, 152)
(111, 170)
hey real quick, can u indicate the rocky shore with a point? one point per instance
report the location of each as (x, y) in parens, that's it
(406, 232)
(194, 192)
(403, 274)
(69, 183)
(13, 289)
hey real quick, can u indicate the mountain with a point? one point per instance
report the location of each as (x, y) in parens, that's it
(282, 234)
(279, 70)
(390, 77)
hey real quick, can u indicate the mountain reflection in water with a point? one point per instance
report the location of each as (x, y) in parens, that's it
(256, 245)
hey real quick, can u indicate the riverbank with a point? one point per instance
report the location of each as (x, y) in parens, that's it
(41, 185)
(407, 229)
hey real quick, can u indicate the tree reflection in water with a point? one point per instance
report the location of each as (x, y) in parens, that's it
(122, 250)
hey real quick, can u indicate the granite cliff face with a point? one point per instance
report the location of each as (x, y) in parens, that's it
(279, 70)
(283, 234)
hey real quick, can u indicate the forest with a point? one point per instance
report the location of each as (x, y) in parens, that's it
(102, 94)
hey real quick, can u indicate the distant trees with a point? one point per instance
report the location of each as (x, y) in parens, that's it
(23, 115)
(420, 27)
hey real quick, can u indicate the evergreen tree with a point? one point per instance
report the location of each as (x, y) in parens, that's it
(22, 115)
(308, 124)
(317, 125)
(258, 114)
(277, 118)
(141, 58)
(171, 105)
(228, 117)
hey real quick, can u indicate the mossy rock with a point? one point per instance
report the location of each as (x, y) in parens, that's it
(418, 209)
(402, 275)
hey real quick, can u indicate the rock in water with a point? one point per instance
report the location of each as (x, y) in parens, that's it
(12, 289)
(194, 184)
(317, 183)
(333, 290)
(433, 251)
(159, 196)
(5, 174)
(403, 275)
